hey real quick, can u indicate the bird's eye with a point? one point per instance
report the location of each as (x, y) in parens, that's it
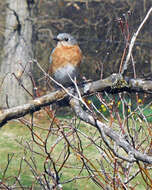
(66, 39)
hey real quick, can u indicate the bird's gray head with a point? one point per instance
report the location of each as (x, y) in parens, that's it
(65, 39)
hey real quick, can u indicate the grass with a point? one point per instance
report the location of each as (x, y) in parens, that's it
(14, 131)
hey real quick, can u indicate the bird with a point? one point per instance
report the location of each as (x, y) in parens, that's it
(65, 59)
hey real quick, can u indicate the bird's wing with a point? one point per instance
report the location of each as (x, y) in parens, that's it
(50, 58)
(50, 62)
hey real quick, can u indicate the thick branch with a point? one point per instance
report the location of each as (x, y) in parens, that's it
(32, 106)
(116, 83)
(113, 84)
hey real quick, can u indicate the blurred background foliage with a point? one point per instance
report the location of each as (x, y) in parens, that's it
(95, 25)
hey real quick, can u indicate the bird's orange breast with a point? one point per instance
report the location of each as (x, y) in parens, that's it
(64, 55)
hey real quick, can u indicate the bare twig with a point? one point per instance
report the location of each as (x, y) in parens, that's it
(125, 66)
(9, 159)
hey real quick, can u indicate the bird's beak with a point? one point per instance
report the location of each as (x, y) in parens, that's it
(56, 39)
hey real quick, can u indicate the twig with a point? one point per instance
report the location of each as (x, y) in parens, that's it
(79, 94)
(9, 159)
(133, 41)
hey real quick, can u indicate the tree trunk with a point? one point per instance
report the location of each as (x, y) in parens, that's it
(18, 52)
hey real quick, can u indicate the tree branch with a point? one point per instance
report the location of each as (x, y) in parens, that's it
(31, 107)
(112, 84)
(106, 131)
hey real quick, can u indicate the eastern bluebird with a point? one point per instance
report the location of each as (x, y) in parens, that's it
(65, 59)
